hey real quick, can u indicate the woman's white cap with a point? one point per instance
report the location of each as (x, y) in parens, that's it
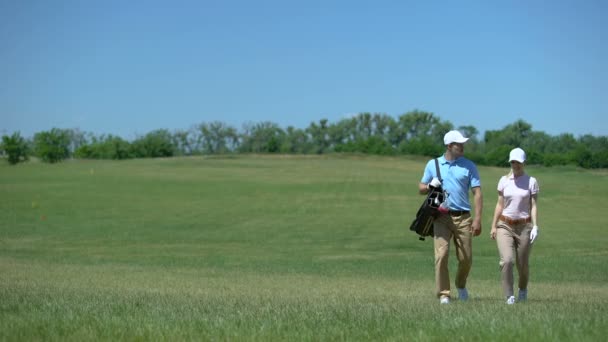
(518, 155)
(454, 137)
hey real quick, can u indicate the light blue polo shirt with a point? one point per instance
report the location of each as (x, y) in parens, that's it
(458, 177)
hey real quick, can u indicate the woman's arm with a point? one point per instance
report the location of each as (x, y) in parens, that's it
(533, 210)
(497, 212)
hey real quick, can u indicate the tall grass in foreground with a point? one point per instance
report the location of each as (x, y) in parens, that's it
(277, 248)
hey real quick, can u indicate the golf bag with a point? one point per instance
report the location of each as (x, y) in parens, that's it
(429, 210)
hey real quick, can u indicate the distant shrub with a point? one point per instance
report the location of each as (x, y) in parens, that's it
(555, 159)
(157, 143)
(424, 146)
(15, 147)
(52, 146)
(106, 147)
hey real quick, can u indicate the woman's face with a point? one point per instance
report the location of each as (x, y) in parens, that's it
(517, 166)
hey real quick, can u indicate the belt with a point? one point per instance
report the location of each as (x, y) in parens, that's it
(458, 212)
(514, 221)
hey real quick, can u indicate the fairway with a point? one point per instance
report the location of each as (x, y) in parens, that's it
(279, 248)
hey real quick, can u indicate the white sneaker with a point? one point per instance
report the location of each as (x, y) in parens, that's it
(523, 295)
(463, 294)
(444, 300)
(511, 300)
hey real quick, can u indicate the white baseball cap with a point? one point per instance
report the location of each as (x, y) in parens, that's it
(518, 155)
(454, 137)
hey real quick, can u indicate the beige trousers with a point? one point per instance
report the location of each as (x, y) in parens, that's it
(447, 227)
(514, 247)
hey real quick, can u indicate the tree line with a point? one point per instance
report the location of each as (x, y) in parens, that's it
(413, 133)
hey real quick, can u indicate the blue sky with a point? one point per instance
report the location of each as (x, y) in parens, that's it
(129, 67)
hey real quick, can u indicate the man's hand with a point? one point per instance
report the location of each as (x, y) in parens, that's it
(533, 234)
(435, 183)
(493, 233)
(476, 226)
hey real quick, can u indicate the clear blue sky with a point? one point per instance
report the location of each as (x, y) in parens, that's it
(128, 67)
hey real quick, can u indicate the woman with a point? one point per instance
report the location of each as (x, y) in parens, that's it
(514, 226)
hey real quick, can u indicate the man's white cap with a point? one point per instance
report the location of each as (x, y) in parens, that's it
(518, 155)
(454, 137)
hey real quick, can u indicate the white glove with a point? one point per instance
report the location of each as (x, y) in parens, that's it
(435, 183)
(533, 234)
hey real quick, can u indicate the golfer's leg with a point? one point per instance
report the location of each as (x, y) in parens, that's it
(505, 243)
(463, 238)
(441, 241)
(523, 256)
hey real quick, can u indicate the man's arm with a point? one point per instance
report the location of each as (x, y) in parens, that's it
(423, 188)
(478, 198)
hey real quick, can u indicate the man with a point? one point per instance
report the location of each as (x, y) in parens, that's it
(458, 175)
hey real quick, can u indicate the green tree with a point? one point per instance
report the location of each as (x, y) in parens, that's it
(217, 138)
(514, 134)
(105, 147)
(184, 142)
(374, 145)
(598, 147)
(364, 125)
(498, 156)
(563, 143)
(343, 132)
(421, 133)
(15, 147)
(423, 145)
(77, 139)
(319, 135)
(158, 143)
(381, 125)
(420, 123)
(263, 137)
(536, 145)
(52, 146)
(296, 141)
(600, 159)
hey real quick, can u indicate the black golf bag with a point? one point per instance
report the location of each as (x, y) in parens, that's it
(429, 210)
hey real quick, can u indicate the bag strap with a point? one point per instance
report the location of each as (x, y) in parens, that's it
(437, 170)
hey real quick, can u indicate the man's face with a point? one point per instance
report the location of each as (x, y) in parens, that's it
(457, 149)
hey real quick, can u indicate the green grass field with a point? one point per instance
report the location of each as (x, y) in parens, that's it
(278, 248)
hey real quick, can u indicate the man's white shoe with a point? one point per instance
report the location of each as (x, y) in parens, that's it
(511, 300)
(523, 295)
(463, 294)
(444, 300)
